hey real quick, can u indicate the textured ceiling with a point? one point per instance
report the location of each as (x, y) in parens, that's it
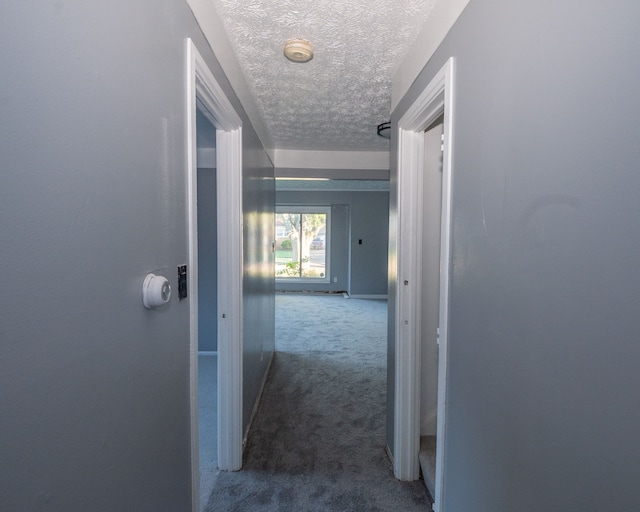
(335, 101)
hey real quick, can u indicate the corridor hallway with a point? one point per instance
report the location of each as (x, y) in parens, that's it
(318, 440)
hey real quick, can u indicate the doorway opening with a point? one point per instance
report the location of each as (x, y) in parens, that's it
(418, 129)
(430, 299)
(207, 305)
(207, 99)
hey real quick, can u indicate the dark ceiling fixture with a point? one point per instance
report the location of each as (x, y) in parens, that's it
(384, 130)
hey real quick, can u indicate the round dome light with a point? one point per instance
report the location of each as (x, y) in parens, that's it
(298, 50)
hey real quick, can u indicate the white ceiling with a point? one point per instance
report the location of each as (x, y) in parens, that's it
(335, 101)
(359, 185)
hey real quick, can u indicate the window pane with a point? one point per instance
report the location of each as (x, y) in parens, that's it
(288, 245)
(313, 245)
(301, 241)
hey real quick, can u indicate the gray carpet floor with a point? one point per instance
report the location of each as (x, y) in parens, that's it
(207, 423)
(318, 440)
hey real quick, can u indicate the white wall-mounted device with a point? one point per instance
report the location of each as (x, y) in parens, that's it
(156, 291)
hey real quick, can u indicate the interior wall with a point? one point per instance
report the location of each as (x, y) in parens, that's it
(207, 241)
(543, 340)
(369, 224)
(360, 269)
(95, 408)
(207, 261)
(258, 336)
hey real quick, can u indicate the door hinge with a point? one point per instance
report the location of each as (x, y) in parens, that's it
(438, 335)
(442, 143)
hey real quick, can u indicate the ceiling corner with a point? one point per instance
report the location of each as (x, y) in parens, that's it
(442, 18)
(215, 34)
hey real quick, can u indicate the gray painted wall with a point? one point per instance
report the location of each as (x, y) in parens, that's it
(369, 223)
(94, 412)
(360, 269)
(207, 261)
(207, 242)
(544, 345)
(259, 267)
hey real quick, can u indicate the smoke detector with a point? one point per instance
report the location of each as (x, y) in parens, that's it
(298, 50)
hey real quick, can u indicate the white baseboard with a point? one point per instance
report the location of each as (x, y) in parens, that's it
(388, 452)
(364, 296)
(207, 353)
(256, 405)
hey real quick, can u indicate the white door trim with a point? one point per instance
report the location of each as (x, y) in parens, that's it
(435, 100)
(204, 93)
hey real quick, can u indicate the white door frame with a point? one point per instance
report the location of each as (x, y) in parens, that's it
(435, 100)
(204, 93)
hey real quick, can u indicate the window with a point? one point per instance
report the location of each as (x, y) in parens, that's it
(302, 242)
(281, 230)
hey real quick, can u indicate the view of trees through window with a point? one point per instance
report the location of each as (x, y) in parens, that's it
(301, 241)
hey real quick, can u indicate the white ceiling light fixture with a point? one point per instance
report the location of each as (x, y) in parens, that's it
(298, 50)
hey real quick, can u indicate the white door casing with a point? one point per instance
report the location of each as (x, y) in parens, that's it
(435, 100)
(205, 94)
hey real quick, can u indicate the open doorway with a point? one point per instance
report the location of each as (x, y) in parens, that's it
(431, 228)
(417, 129)
(207, 305)
(205, 97)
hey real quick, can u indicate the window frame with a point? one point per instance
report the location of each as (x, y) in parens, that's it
(324, 210)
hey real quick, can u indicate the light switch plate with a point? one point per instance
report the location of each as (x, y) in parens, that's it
(182, 282)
